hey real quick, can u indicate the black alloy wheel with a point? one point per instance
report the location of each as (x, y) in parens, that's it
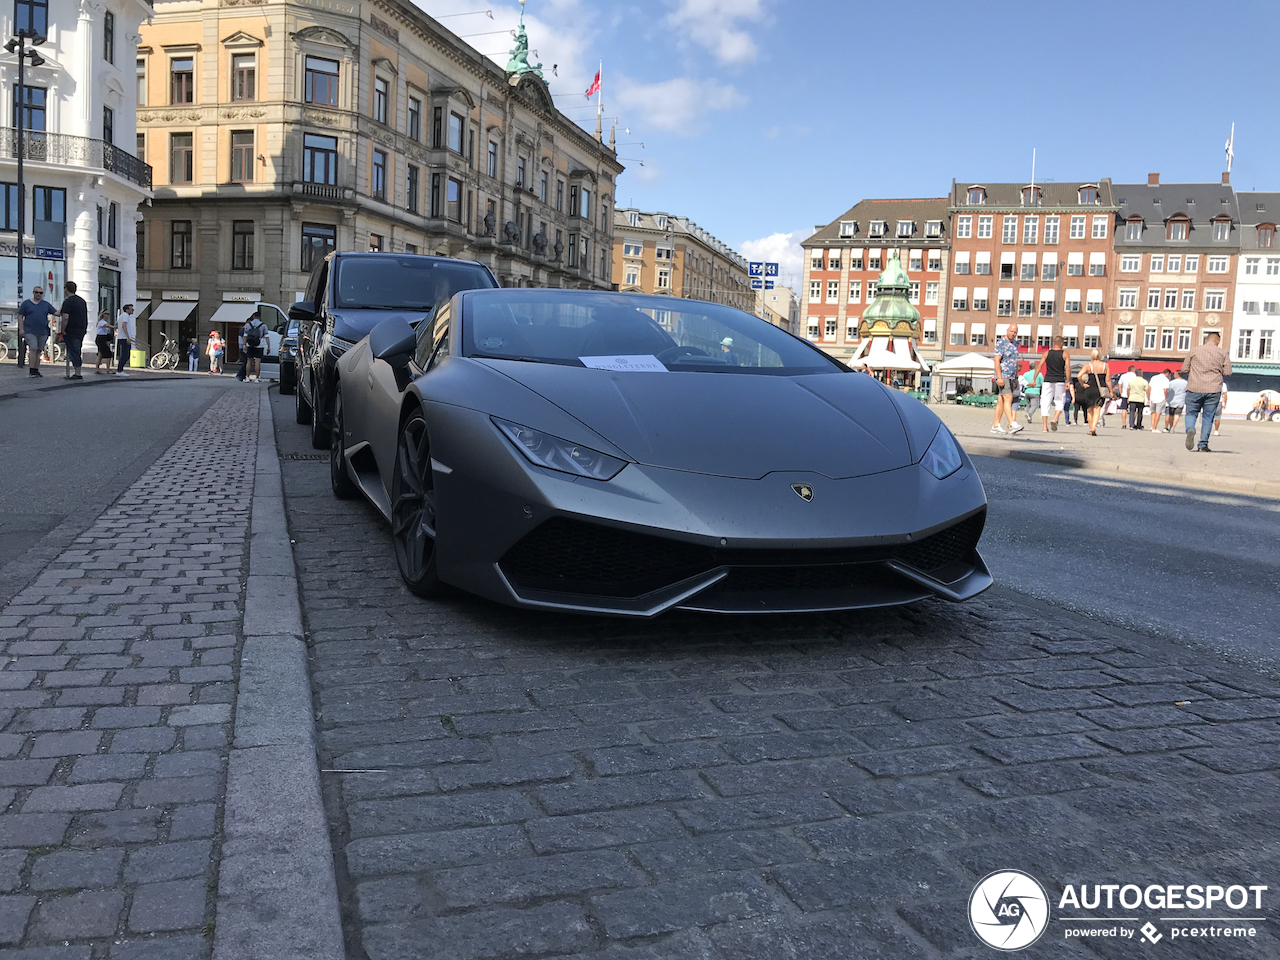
(339, 479)
(413, 510)
(319, 435)
(301, 409)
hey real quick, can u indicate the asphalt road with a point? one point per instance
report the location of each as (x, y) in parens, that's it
(69, 451)
(1171, 561)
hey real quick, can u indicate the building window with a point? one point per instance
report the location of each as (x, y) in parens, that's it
(1091, 340)
(1094, 303)
(1157, 263)
(1184, 338)
(662, 252)
(1189, 298)
(1049, 270)
(960, 299)
(1100, 227)
(376, 244)
(1072, 302)
(834, 262)
(1004, 305)
(1219, 265)
(1171, 298)
(415, 119)
(1213, 299)
(1124, 338)
(979, 298)
(544, 188)
(1177, 230)
(1009, 230)
(1128, 298)
(833, 291)
(1046, 309)
(632, 248)
(962, 263)
(915, 262)
(319, 159)
(1153, 298)
(813, 329)
(978, 338)
(1026, 305)
(874, 261)
(1088, 194)
(244, 74)
(1130, 263)
(182, 80)
(1097, 267)
(113, 225)
(1031, 196)
(846, 228)
(977, 195)
(1075, 268)
(1030, 229)
(1222, 229)
(241, 156)
(1149, 336)
(935, 261)
(1166, 338)
(181, 158)
(31, 19)
(453, 201)
(964, 227)
(1051, 229)
(180, 245)
(1133, 230)
(1077, 228)
(242, 245)
(878, 228)
(108, 125)
(50, 204)
(318, 241)
(1273, 266)
(829, 328)
(1028, 271)
(1266, 234)
(32, 111)
(380, 174)
(1265, 341)
(984, 227)
(456, 126)
(520, 171)
(1251, 266)
(913, 292)
(109, 37)
(1250, 306)
(491, 167)
(141, 243)
(321, 81)
(632, 276)
(815, 291)
(141, 90)
(957, 336)
(381, 91)
(664, 275)
(855, 260)
(931, 292)
(413, 189)
(1193, 264)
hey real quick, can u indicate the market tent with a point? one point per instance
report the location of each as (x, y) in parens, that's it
(967, 364)
(877, 358)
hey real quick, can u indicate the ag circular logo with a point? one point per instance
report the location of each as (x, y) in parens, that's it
(1009, 910)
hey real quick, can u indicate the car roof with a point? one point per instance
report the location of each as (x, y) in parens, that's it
(345, 254)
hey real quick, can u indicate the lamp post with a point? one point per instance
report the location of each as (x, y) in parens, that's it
(18, 44)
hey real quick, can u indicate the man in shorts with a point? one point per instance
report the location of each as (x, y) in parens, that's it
(1124, 396)
(34, 317)
(253, 335)
(1157, 394)
(1175, 401)
(1006, 380)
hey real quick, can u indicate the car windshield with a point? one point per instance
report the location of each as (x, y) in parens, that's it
(624, 331)
(403, 282)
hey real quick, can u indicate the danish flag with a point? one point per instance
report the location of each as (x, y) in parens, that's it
(595, 86)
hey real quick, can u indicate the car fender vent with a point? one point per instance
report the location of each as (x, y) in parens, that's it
(953, 545)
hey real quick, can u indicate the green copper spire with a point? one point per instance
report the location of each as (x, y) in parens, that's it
(891, 313)
(519, 62)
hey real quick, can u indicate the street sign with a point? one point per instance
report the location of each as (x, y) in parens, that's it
(757, 284)
(770, 269)
(755, 268)
(768, 284)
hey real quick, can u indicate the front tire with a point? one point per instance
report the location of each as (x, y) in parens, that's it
(413, 510)
(289, 379)
(159, 361)
(339, 479)
(319, 434)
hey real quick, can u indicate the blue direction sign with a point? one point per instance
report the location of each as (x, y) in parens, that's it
(755, 268)
(768, 284)
(770, 269)
(757, 284)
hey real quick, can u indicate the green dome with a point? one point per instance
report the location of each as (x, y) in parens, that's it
(891, 309)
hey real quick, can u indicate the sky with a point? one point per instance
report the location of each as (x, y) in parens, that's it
(760, 119)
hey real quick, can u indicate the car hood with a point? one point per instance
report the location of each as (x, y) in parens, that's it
(730, 425)
(353, 325)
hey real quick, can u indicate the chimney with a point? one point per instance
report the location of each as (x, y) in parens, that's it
(1226, 176)
(1153, 179)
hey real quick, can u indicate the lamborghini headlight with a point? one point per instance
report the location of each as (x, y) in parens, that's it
(942, 459)
(556, 454)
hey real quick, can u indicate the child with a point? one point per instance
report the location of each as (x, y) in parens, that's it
(193, 355)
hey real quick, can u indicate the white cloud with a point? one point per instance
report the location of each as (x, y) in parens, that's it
(712, 24)
(783, 249)
(677, 104)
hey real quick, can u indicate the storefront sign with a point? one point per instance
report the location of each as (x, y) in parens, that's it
(241, 297)
(106, 261)
(180, 295)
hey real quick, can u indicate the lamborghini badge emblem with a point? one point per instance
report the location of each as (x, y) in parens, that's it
(803, 491)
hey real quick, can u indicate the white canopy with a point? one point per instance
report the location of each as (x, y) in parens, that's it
(877, 358)
(966, 363)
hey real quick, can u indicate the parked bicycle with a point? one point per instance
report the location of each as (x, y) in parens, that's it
(166, 358)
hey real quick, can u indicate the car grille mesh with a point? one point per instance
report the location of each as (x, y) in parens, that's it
(573, 556)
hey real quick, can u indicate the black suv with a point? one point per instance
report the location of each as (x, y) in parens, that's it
(350, 293)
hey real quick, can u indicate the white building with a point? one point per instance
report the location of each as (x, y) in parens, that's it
(82, 184)
(1255, 319)
(781, 307)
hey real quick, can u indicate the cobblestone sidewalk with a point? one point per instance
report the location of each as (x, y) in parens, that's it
(116, 703)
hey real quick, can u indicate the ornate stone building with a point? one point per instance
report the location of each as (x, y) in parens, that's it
(673, 256)
(281, 131)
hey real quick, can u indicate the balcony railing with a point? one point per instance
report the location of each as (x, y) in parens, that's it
(322, 191)
(61, 148)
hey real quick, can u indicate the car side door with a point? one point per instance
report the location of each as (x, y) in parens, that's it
(310, 329)
(277, 324)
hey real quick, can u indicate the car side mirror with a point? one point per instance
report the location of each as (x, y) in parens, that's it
(302, 310)
(394, 341)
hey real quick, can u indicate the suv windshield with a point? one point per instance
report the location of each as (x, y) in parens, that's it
(406, 282)
(624, 331)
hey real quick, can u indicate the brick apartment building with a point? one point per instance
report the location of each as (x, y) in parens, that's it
(1175, 253)
(1037, 255)
(843, 259)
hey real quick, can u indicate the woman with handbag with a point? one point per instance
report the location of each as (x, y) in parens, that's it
(215, 349)
(1094, 389)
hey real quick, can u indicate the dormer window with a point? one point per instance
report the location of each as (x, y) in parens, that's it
(1222, 229)
(977, 194)
(848, 228)
(1177, 228)
(1133, 228)
(633, 218)
(1266, 234)
(661, 221)
(1088, 193)
(906, 228)
(878, 228)
(1031, 196)
(933, 229)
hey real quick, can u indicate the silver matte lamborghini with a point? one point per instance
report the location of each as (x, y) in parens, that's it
(628, 454)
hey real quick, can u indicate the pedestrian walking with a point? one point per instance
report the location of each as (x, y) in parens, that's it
(1205, 367)
(1158, 396)
(125, 333)
(1176, 402)
(255, 332)
(1081, 408)
(33, 321)
(1124, 396)
(1056, 364)
(193, 355)
(75, 325)
(215, 350)
(103, 335)
(1094, 389)
(1138, 385)
(1005, 380)
(244, 356)
(1031, 382)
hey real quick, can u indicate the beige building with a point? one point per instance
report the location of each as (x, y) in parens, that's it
(673, 256)
(781, 307)
(279, 132)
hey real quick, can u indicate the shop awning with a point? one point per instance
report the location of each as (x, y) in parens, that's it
(236, 314)
(172, 309)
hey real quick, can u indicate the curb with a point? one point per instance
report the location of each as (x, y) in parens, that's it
(277, 895)
(1214, 483)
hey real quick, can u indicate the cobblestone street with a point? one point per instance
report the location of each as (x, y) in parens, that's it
(118, 694)
(505, 784)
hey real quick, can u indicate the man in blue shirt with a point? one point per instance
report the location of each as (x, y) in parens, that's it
(1006, 380)
(35, 314)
